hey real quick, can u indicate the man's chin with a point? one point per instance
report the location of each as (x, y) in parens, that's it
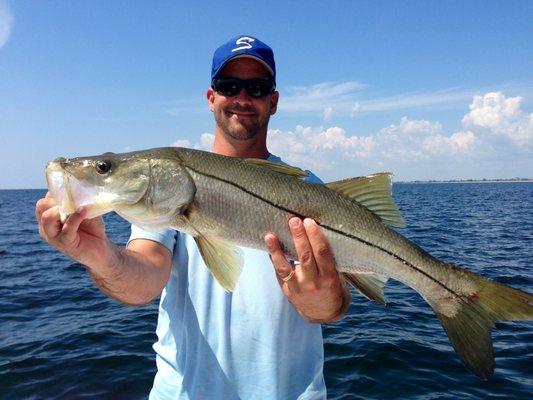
(241, 135)
(241, 132)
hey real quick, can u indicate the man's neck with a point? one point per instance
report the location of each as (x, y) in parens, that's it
(253, 148)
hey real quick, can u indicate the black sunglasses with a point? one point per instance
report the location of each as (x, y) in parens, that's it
(232, 86)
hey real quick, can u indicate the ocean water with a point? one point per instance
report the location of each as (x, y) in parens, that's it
(60, 338)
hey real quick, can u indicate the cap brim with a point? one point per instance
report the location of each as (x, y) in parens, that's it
(247, 56)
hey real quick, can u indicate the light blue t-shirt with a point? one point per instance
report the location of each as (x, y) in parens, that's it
(249, 344)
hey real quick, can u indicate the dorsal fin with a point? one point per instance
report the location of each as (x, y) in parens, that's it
(373, 192)
(274, 166)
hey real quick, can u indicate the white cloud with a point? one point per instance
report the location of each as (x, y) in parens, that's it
(416, 100)
(6, 23)
(347, 99)
(317, 97)
(355, 109)
(405, 139)
(494, 114)
(318, 148)
(206, 141)
(418, 149)
(328, 113)
(454, 144)
(181, 143)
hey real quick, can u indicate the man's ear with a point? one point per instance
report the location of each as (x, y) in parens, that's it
(274, 102)
(210, 94)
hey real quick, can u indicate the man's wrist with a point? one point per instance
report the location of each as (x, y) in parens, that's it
(109, 264)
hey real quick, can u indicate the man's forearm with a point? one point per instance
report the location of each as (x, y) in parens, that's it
(130, 276)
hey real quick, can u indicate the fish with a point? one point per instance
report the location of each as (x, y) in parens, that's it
(228, 202)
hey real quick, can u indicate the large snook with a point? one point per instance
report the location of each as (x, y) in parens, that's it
(224, 202)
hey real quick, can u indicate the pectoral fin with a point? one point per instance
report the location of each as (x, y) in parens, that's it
(370, 285)
(224, 260)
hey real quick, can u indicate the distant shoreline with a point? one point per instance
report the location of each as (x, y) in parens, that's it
(509, 180)
(513, 180)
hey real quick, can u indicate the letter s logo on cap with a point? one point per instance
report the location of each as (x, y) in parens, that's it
(244, 42)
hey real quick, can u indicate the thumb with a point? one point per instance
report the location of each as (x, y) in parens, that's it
(95, 224)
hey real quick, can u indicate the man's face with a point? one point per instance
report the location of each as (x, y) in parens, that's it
(242, 117)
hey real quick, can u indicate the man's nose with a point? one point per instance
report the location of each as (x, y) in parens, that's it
(243, 96)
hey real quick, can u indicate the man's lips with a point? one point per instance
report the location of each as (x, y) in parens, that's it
(241, 113)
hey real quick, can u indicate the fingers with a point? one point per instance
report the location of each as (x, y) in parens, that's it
(42, 205)
(50, 226)
(323, 256)
(304, 250)
(47, 214)
(49, 222)
(314, 286)
(283, 268)
(69, 233)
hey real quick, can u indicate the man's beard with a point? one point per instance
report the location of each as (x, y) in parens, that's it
(243, 129)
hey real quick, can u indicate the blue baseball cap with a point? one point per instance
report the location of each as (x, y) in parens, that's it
(243, 46)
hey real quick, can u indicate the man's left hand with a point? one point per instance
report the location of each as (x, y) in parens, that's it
(314, 286)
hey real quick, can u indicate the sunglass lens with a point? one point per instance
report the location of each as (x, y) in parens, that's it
(228, 87)
(258, 88)
(232, 86)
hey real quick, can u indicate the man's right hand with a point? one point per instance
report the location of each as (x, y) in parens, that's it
(84, 240)
(133, 276)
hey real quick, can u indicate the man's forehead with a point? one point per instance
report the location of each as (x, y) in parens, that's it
(247, 65)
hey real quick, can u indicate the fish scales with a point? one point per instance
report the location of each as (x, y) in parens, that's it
(360, 241)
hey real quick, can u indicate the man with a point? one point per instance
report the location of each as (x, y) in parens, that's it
(258, 342)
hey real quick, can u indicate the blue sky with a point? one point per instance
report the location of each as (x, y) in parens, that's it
(427, 90)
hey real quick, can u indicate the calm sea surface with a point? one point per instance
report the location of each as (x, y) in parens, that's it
(60, 338)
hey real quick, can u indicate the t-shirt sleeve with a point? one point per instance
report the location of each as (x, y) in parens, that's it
(167, 237)
(312, 178)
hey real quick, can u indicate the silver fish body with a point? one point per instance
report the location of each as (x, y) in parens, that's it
(225, 201)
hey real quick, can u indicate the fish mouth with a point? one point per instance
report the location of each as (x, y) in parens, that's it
(69, 192)
(58, 185)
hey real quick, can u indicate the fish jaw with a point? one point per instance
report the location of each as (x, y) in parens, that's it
(71, 193)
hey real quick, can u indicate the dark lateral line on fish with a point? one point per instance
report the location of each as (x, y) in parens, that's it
(331, 229)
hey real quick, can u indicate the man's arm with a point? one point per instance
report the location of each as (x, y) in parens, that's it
(134, 275)
(314, 287)
(139, 276)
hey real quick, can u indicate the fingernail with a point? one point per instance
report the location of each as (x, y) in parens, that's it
(294, 223)
(308, 222)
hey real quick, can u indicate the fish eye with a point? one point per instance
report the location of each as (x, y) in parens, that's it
(103, 167)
